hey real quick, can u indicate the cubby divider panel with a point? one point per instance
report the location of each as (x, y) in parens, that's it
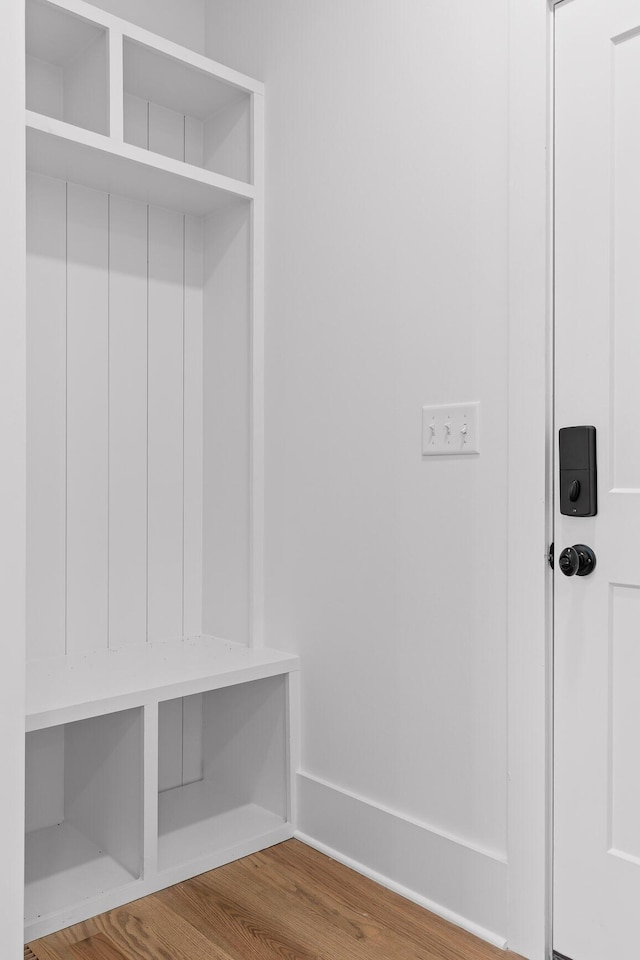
(83, 811)
(242, 793)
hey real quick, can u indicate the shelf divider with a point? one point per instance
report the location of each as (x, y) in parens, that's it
(116, 85)
(150, 747)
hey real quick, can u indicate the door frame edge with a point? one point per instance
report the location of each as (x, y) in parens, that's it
(13, 473)
(530, 474)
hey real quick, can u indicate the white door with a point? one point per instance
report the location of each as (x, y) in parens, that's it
(597, 617)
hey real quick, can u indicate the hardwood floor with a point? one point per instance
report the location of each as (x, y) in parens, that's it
(286, 903)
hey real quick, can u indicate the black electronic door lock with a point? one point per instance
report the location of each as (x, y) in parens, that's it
(578, 474)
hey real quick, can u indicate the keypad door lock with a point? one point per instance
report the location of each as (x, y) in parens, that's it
(578, 473)
(577, 561)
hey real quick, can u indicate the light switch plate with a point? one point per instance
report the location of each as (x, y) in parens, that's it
(451, 430)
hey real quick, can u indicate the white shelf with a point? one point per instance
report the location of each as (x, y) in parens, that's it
(177, 84)
(65, 689)
(118, 26)
(64, 867)
(67, 152)
(196, 820)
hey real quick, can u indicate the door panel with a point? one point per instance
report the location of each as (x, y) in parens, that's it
(597, 618)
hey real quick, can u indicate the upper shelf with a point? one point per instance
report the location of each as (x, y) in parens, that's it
(117, 108)
(66, 152)
(64, 689)
(57, 30)
(153, 74)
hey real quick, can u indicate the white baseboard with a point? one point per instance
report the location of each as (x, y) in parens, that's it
(457, 881)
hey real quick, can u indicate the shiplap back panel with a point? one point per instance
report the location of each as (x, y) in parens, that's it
(127, 422)
(46, 415)
(87, 418)
(114, 422)
(165, 432)
(193, 425)
(164, 131)
(227, 425)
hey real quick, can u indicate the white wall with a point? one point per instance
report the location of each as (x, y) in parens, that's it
(180, 20)
(386, 236)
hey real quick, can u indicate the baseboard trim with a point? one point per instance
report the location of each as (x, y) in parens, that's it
(425, 867)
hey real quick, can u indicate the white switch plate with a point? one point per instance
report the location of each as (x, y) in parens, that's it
(451, 430)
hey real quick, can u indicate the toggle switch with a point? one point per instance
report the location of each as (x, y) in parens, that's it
(451, 430)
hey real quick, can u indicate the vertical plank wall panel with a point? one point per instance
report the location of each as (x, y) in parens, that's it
(161, 130)
(116, 423)
(193, 427)
(165, 427)
(227, 423)
(46, 415)
(127, 422)
(87, 417)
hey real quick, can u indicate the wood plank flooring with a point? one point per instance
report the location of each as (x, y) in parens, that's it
(286, 903)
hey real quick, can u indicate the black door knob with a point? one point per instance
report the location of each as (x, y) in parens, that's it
(578, 560)
(569, 561)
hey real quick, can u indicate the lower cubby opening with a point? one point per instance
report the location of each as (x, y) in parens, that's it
(83, 811)
(222, 770)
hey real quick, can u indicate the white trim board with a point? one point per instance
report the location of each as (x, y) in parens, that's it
(530, 439)
(12, 474)
(419, 863)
